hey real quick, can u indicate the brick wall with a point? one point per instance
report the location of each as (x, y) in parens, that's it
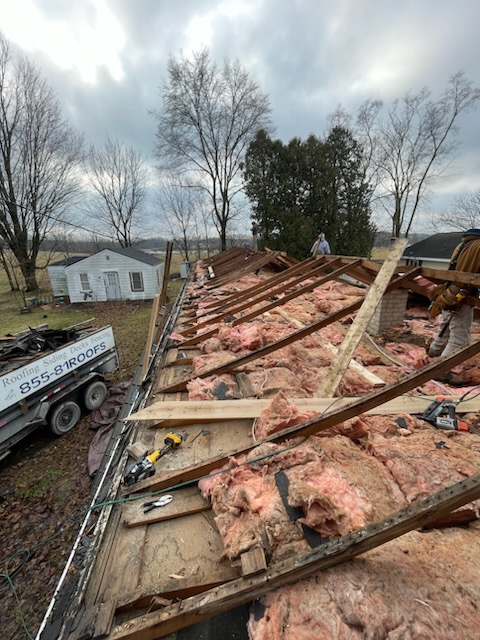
(390, 311)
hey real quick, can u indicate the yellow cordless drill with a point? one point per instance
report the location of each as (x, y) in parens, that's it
(144, 468)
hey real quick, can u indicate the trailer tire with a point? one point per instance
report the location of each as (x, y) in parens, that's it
(94, 395)
(64, 417)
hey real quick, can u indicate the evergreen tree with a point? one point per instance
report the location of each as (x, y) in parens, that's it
(304, 188)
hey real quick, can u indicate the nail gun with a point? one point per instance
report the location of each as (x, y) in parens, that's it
(144, 468)
(441, 414)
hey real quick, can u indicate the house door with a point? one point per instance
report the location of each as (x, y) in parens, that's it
(112, 285)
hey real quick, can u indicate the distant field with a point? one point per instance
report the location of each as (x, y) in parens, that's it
(380, 253)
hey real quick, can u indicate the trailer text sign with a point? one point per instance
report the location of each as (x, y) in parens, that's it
(20, 383)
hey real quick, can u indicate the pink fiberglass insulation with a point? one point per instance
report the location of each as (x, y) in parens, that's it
(267, 382)
(211, 345)
(353, 384)
(209, 361)
(421, 586)
(244, 337)
(410, 354)
(308, 365)
(338, 486)
(177, 337)
(205, 388)
(344, 489)
(280, 414)
(418, 465)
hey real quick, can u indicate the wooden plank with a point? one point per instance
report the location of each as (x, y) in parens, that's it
(243, 590)
(181, 385)
(184, 503)
(151, 330)
(193, 411)
(253, 561)
(166, 273)
(459, 277)
(335, 373)
(374, 380)
(329, 419)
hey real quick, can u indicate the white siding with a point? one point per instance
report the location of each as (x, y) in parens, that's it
(104, 261)
(58, 280)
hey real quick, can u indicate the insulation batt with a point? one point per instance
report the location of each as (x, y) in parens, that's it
(204, 388)
(244, 337)
(280, 414)
(418, 466)
(268, 382)
(208, 361)
(423, 586)
(338, 486)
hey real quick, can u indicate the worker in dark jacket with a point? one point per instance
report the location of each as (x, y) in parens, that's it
(457, 314)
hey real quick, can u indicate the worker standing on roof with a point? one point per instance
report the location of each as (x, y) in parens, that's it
(254, 235)
(320, 247)
(452, 301)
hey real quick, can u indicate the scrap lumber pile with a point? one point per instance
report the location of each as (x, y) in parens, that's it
(307, 484)
(19, 349)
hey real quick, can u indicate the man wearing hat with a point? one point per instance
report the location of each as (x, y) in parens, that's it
(453, 301)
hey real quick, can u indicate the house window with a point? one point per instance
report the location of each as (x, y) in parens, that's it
(136, 281)
(84, 283)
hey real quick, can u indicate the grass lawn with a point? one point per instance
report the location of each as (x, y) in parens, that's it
(62, 316)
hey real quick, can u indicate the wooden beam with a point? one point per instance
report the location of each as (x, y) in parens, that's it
(334, 375)
(293, 337)
(329, 419)
(232, 594)
(238, 296)
(459, 277)
(265, 294)
(267, 307)
(193, 411)
(362, 371)
(151, 331)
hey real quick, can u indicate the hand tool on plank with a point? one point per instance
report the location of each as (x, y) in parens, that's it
(144, 468)
(159, 502)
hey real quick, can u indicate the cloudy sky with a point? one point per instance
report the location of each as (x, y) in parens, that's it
(107, 58)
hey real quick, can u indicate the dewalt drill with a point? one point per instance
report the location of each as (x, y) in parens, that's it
(144, 468)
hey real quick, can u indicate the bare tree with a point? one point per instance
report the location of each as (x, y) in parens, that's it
(119, 178)
(39, 155)
(409, 147)
(465, 213)
(208, 119)
(180, 206)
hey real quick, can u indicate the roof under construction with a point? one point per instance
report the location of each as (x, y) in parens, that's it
(308, 496)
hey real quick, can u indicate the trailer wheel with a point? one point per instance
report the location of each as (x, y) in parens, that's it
(94, 395)
(64, 417)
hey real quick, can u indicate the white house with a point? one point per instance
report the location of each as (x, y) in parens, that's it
(109, 274)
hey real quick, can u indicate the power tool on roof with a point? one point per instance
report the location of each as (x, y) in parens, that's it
(442, 415)
(144, 468)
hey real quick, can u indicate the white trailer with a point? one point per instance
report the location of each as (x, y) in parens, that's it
(52, 388)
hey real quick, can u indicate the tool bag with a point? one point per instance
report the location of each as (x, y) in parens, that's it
(446, 296)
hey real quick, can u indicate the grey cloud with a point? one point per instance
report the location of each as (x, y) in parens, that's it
(307, 55)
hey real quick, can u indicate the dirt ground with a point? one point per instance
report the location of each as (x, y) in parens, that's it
(45, 490)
